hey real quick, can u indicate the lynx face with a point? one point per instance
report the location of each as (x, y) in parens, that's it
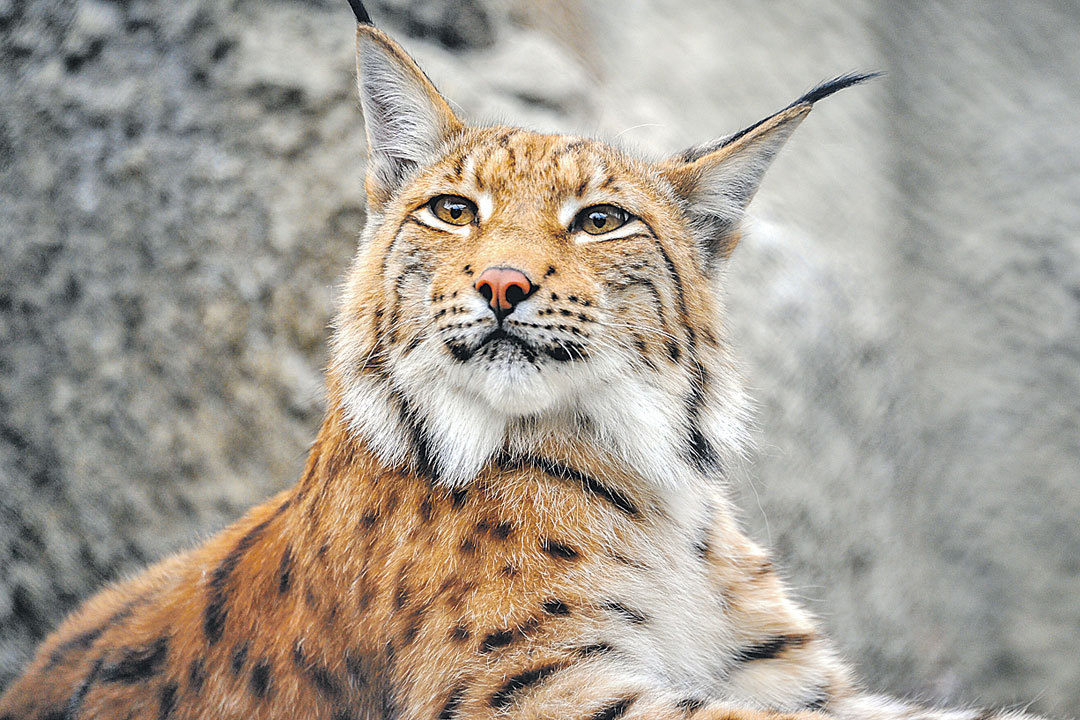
(526, 270)
(515, 289)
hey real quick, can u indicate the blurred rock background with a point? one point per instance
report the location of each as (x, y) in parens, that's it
(180, 192)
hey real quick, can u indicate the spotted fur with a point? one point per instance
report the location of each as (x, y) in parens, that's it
(518, 519)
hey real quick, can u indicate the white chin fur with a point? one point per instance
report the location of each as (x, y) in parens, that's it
(467, 412)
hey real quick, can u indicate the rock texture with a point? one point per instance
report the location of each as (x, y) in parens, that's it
(180, 191)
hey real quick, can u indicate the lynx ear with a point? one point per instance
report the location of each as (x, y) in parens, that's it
(407, 119)
(718, 180)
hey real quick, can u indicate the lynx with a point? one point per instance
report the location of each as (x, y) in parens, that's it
(514, 506)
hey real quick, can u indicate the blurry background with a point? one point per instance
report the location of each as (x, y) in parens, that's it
(180, 192)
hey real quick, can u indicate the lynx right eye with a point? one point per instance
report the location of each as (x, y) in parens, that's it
(600, 219)
(453, 209)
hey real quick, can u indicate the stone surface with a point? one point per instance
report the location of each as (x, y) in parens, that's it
(181, 189)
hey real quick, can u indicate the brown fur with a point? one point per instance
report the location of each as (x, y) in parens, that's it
(361, 590)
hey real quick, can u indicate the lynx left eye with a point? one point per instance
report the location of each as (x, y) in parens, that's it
(600, 219)
(453, 209)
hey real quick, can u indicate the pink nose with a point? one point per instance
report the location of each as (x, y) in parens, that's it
(503, 288)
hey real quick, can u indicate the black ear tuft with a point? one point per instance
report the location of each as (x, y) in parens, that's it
(828, 87)
(360, 12)
(819, 91)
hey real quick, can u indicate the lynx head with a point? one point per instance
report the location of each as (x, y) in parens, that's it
(517, 291)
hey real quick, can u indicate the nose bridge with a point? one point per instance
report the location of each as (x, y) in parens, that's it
(520, 245)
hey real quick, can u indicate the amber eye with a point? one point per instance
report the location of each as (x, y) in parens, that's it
(453, 209)
(600, 219)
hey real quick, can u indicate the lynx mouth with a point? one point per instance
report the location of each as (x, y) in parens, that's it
(495, 343)
(499, 345)
(499, 337)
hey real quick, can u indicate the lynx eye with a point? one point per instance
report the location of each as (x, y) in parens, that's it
(600, 219)
(453, 209)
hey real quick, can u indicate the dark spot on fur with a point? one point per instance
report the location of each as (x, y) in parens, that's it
(216, 610)
(516, 684)
(368, 519)
(690, 705)
(197, 675)
(167, 699)
(452, 703)
(85, 639)
(412, 627)
(615, 710)
(499, 531)
(588, 483)
(555, 606)
(320, 676)
(75, 702)
(558, 550)
(260, 679)
(820, 701)
(635, 617)
(701, 450)
(701, 549)
(497, 639)
(137, 664)
(629, 562)
(771, 648)
(601, 648)
(459, 633)
(285, 571)
(239, 659)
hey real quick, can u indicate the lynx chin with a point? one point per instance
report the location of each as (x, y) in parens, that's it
(513, 508)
